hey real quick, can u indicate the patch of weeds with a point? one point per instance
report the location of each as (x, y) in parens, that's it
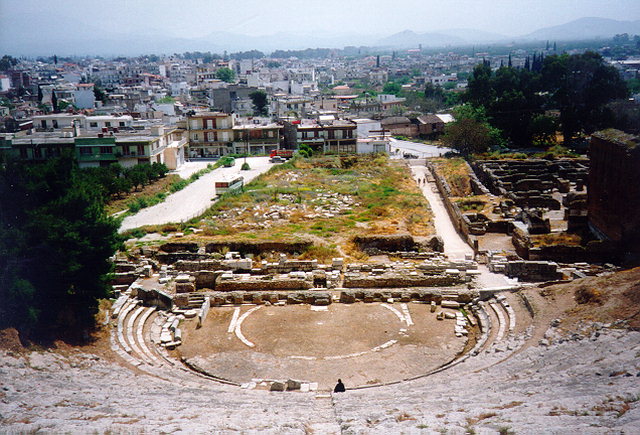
(505, 430)
(178, 185)
(404, 417)
(422, 426)
(508, 405)
(483, 416)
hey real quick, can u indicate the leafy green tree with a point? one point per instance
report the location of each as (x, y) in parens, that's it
(467, 136)
(260, 102)
(392, 88)
(54, 102)
(433, 91)
(479, 114)
(226, 75)
(480, 91)
(542, 130)
(580, 86)
(99, 94)
(55, 244)
(7, 62)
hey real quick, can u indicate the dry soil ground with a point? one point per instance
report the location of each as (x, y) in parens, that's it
(318, 345)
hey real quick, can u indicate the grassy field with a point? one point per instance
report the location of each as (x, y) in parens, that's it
(456, 172)
(328, 199)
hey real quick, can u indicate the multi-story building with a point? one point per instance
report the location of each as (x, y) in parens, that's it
(330, 136)
(210, 134)
(256, 137)
(213, 134)
(93, 149)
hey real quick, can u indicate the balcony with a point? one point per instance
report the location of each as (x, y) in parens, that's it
(97, 157)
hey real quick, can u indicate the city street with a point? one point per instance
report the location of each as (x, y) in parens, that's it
(419, 149)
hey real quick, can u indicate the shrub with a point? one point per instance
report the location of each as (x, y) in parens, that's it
(178, 185)
(245, 166)
(588, 295)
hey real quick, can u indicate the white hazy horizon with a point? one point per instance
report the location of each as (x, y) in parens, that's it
(198, 18)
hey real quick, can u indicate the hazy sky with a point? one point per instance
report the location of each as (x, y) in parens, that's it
(192, 18)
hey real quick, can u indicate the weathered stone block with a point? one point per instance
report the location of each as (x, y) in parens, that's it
(293, 385)
(277, 386)
(185, 287)
(347, 297)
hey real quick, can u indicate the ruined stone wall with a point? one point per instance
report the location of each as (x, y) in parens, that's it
(453, 210)
(614, 188)
(258, 247)
(399, 280)
(533, 270)
(261, 283)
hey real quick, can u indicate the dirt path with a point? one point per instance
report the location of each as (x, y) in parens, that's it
(196, 197)
(454, 246)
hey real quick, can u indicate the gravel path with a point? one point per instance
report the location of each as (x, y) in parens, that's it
(454, 246)
(194, 199)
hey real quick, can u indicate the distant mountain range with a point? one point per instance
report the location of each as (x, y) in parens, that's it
(64, 36)
(585, 28)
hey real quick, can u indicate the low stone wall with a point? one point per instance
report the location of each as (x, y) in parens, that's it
(179, 247)
(595, 251)
(262, 282)
(174, 257)
(258, 247)
(398, 280)
(533, 270)
(196, 265)
(313, 297)
(377, 243)
(424, 295)
(455, 214)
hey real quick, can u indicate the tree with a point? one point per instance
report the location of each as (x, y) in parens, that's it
(260, 102)
(467, 136)
(54, 102)
(543, 130)
(7, 62)
(55, 244)
(580, 86)
(99, 94)
(226, 75)
(392, 88)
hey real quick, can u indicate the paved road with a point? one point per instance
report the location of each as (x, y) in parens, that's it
(194, 199)
(416, 148)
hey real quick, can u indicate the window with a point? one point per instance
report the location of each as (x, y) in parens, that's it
(105, 150)
(55, 123)
(43, 123)
(332, 134)
(107, 124)
(141, 150)
(121, 123)
(85, 151)
(93, 124)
